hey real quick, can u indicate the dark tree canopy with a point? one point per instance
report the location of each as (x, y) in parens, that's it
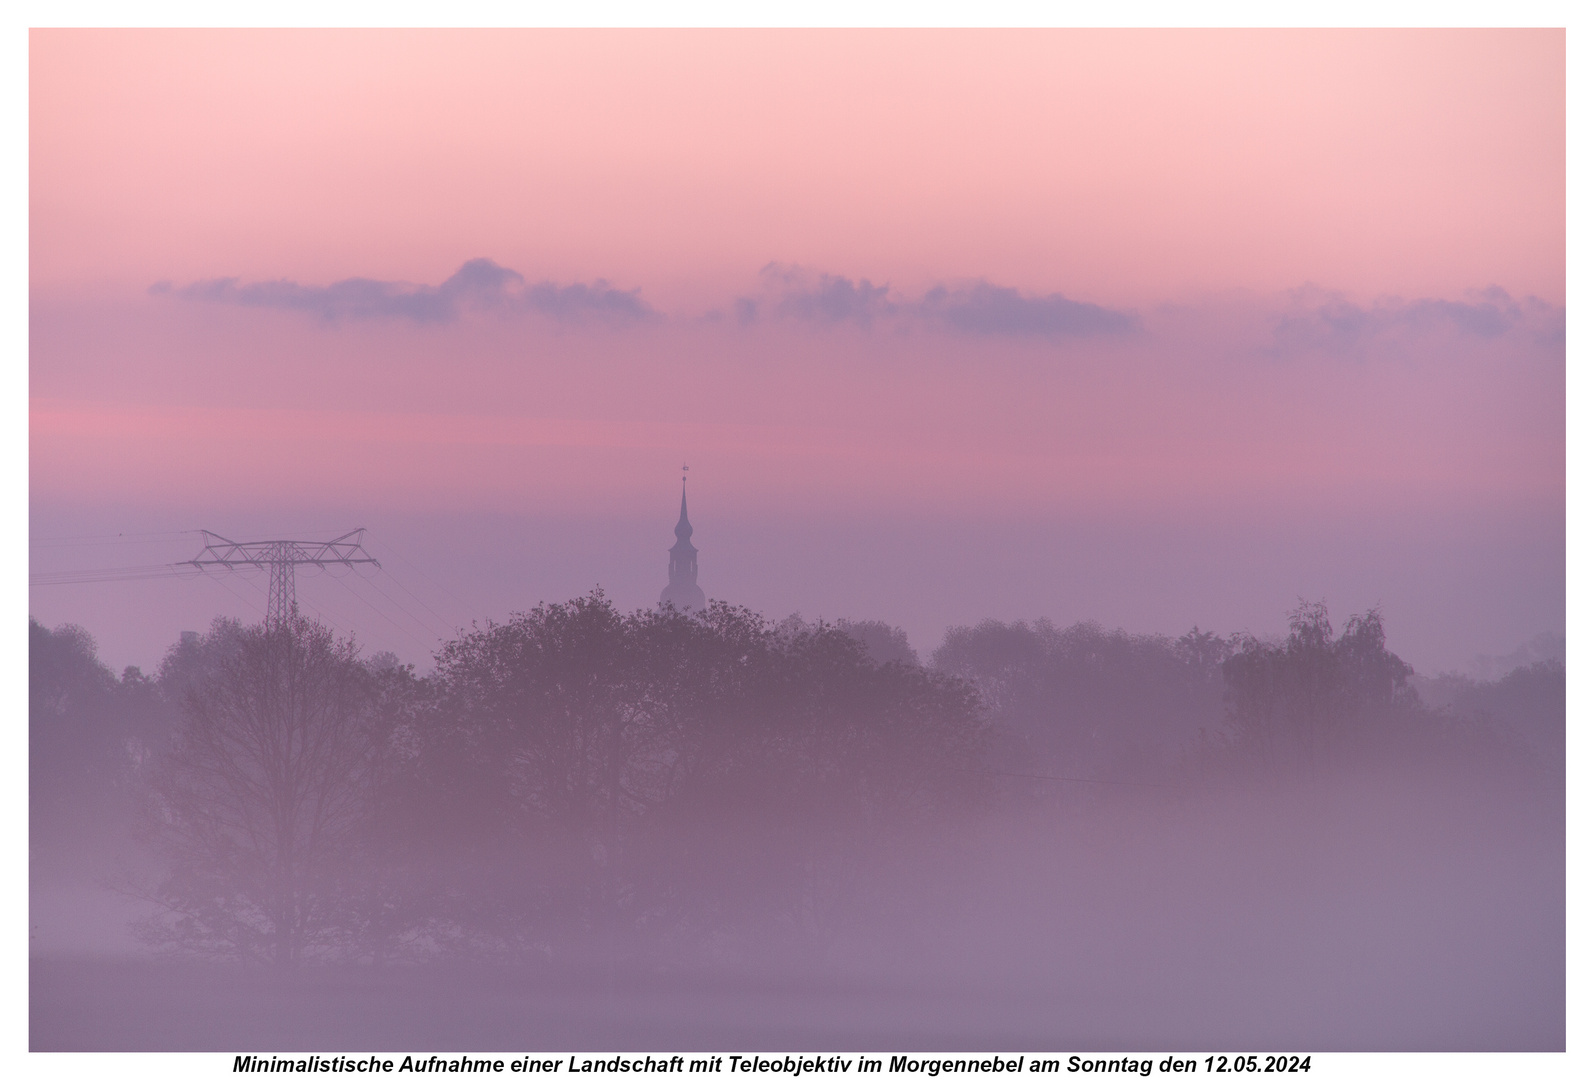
(667, 769)
(87, 732)
(580, 783)
(264, 793)
(574, 778)
(1295, 702)
(1085, 701)
(1527, 704)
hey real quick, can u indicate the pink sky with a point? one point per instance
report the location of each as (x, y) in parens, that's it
(1122, 167)
(1191, 277)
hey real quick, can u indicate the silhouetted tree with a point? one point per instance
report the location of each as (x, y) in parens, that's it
(1292, 702)
(1527, 706)
(87, 732)
(261, 800)
(75, 749)
(1085, 701)
(637, 776)
(883, 642)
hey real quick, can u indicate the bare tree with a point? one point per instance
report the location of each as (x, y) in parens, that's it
(260, 802)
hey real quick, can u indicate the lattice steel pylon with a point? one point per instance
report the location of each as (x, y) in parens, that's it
(280, 557)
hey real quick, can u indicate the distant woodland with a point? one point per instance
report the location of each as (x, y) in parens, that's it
(579, 783)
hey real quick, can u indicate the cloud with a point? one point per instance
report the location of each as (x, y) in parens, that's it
(978, 308)
(479, 284)
(1328, 322)
(986, 309)
(825, 298)
(572, 303)
(1548, 323)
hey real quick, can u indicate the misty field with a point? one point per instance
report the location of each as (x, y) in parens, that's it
(1378, 912)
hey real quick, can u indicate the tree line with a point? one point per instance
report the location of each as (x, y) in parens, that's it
(581, 783)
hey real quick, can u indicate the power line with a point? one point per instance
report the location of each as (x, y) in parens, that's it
(220, 581)
(380, 612)
(446, 592)
(111, 573)
(90, 539)
(430, 629)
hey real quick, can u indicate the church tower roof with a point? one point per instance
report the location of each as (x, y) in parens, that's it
(683, 528)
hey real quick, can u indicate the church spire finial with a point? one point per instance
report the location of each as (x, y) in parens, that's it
(683, 528)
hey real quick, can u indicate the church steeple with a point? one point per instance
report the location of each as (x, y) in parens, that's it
(683, 528)
(683, 592)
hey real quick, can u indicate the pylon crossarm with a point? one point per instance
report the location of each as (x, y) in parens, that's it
(262, 554)
(280, 557)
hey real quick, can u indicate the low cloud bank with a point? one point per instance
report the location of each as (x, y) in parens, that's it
(479, 284)
(977, 308)
(1301, 322)
(1322, 321)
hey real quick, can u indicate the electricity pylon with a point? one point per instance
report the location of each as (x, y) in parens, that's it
(280, 557)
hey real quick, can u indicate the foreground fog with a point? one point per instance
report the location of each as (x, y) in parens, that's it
(591, 830)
